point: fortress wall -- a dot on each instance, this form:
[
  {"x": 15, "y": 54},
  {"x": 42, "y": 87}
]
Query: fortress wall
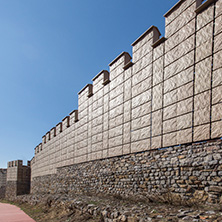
[
  {"x": 18, "y": 178},
  {"x": 169, "y": 94},
  {"x": 192, "y": 172}
]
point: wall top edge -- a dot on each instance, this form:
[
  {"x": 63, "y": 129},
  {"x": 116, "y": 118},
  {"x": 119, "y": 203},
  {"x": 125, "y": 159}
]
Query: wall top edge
[
  {"x": 53, "y": 128},
  {"x": 43, "y": 136},
  {"x": 58, "y": 124},
  {"x": 173, "y": 8},
  {"x": 84, "y": 88},
  {"x": 204, "y": 6},
  {"x": 65, "y": 118},
  {"x": 100, "y": 73},
  {"x": 119, "y": 56},
  {"x": 145, "y": 33},
  {"x": 158, "y": 42},
  {"x": 72, "y": 112}
]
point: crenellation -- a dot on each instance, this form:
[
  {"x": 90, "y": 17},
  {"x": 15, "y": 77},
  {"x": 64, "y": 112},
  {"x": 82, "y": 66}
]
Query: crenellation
[
  {"x": 43, "y": 139},
  {"x": 163, "y": 97},
  {"x": 48, "y": 136},
  {"x": 66, "y": 122}
]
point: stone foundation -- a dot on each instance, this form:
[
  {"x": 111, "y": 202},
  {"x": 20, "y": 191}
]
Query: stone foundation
[
  {"x": 191, "y": 171},
  {"x": 11, "y": 189},
  {"x": 3, "y": 173}
]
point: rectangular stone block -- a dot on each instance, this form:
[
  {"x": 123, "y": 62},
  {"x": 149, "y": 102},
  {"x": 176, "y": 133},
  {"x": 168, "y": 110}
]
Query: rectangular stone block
[
  {"x": 205, "y": 17},
  {"x": 218, "y": 25},
  {"x": 126, "y": 132},
  {"x": 116, "y": 141},
  {"x": 217, "y": 112},
  {"x": 170, "y": 139},
  {"x": 115, "y": 151},
  {"x": 184, "y": 136},
  {"x": 217, "y": 60},
  {"x": 184, "y": 106},
  {"x": 178, "y": 10},
  {"x": 217, "y": 77},
  {"x": 202, "y": 100},
  {"x": 105, "y": 139},
  {"x": 116, "y": 121},
  {"x": 105, "y": 153},
  {"x": 140, "y": 134},
  {"x": 202, "y": 116},
  {"x": 140, "y": 122},
  {"x": 180, "y": 36},
  {"x": 158, "y": 71},
  {"x": 170, "y": 125},
  {"x": 204, "y": 35},
  {"x": 140, "y": 76},
  {"x": 218, "y": 8},
  {"x": 116, "y": 101},
  {"x": 180, "y": 21},
  {"x": 126, "y": 148},
  {"x": 117, "y": 92},
  {"x": 157, "y": 123},
  {"x": 97, "y": 121},
  {"x": 141, "y": 110},
  {"x": 117, "y": 131},
  {"x": 156, "y": 142},
  {"x": 157, "y": 97},
  {"x": 117, "y": 72},
  {"x": 127, "y": 111},
  {"x": 203, "y": 75},
  {"x": 158, "y": 51},
  {"x": 170, "y": 111},
  {"x": 184, "y": 121},
  {"x": 141, "y": 99},
  {"x": 170, "y": 84},
  {"x": 128, "y": 74},
  {"x": 141, "y": 87},
  {"x": 142, "y": 51},
  {"x": 127, "y": 89},
  {"x": 184, "y": 77},
  {"x": 185, "y": 91},
  {"x": 180, "y": 50},
  {"x": 216, "y": 131},
  {"x": 116, "y": 81},
  {"x": 170, "y": 98},
  {"x": 204, "y": 50},
  {"x": 141, "y": 145},
  {"x": 97, "y": 155},
  {"x": 116, "y": 111},
  {"x": 217, "y": 95},
  {"x": 202, "y": 132},
  {"x": 143, "y": 41},
  {"x": 179, "y": 65},
  {"x": 218, "y": 42}
]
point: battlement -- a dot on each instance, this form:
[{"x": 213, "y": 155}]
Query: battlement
[
  {"x": 167, "y": 93},
  {"x": 17, "y": 163},
  {"x": 18, "y": 178}
]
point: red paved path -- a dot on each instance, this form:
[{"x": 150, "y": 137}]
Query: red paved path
[{"x": 11, "y": 213}]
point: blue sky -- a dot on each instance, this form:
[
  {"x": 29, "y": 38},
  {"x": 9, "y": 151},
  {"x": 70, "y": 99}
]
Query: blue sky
[{"x": 49, "y": 50}]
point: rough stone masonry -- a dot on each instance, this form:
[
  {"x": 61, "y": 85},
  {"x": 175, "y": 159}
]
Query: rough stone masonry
[{"x": 152, "y": 122}]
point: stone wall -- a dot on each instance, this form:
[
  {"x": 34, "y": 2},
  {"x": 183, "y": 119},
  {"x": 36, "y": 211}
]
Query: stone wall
[
  {"x": 191, "y": 171},
  {"x": 3, "y": 173},
  {"x": 169, "y": 94},
  {"x": 18, "y": 178}
]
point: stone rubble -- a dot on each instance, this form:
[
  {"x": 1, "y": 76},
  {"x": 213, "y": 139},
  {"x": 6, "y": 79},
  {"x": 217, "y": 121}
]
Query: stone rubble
[{"x": 112, "y": 209}]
